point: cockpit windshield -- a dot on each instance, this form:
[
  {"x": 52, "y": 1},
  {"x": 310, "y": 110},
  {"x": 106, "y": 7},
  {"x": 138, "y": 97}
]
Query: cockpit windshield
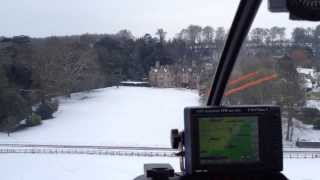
[
  {"x": 91, "y": 89},
  {"x": 278, "y": 65}
]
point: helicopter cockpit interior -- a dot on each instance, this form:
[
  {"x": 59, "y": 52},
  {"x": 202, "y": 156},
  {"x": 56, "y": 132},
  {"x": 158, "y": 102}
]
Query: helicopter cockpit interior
[{"x": 204, "y": 149}]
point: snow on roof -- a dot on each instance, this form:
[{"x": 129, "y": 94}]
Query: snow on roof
[
  {"x": 133, "y": 82},
  {"x": 307, "y": 71},
  {"x": 308, "y": 83},
  {"x": 313, "y": 104}
]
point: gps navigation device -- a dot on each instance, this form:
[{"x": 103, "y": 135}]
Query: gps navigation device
[{"x": 233, "y": 139}]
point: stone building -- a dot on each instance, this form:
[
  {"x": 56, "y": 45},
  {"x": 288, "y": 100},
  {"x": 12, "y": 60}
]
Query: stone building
[
  {"x": 167, "y": 76},
  {"x": 162, "y": 76}
]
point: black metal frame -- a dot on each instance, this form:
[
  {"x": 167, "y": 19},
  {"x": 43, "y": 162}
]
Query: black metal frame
[
  {"x": 241, "y": 25},
  {"x": 269, "y": 140}
]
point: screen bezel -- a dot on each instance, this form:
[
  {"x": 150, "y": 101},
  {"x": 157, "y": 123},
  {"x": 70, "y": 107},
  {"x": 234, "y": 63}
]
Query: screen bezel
[{"x": 265, "y": 140}]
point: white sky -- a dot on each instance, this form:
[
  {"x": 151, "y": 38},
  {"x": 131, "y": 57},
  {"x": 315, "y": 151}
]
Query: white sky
[{"x": 39, "y": 18}]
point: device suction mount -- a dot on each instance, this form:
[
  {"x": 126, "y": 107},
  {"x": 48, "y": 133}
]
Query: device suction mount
[{"x": 177, "y": 142}]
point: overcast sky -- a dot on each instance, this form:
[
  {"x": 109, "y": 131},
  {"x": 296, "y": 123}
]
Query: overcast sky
[{"x": 39, "y": 18}]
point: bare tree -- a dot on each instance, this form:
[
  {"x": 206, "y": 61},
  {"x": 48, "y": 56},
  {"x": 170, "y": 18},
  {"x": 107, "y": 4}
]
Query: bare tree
[
  {"x": 277, "y": 35},
  {"x": 59, "y": 65},
  {"x": 126, "y": 34},
  {"x": 162, "y": 35},
  {"x": 220, "y": 37},
  {"x": 208, "y": 34},
  {"x": 259, "y": 36},
  {"x": 194, "y": 34}
]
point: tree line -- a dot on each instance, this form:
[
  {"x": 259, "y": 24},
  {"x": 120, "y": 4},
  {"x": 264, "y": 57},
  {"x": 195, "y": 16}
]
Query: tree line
[{"x": 33, "y": 71}]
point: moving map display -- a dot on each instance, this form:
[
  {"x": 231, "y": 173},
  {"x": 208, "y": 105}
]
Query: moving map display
[{"x": 228, "y": 139}]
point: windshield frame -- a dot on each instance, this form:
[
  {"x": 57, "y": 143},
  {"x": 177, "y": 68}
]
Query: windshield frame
[{"x": 245, "y": 15}]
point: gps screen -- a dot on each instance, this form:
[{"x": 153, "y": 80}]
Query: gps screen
[{"x": 228, "y": 140}]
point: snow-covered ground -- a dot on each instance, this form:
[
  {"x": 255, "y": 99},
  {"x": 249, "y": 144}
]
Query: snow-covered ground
[
  {"x": 111, "y": 116},
  {"x": 313, "y": 104},
  {"x": 302, "y": 169},
  {"x": 74, "y": 167},
  {"x": 306, "y": 132},
  {"x": 90, "y": 167},
  {"x": 302, "y": 131}
]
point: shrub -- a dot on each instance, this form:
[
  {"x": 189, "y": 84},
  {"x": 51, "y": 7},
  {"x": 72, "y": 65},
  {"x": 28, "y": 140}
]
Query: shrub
[
  {"x": 316, "y": 125},
  {"x": 46, "y": 109},
  {"x": 309, "y": 115},
  {"x": 11, "y": 124},
  {"x": 13, "y": 109},
  {"x": 33, "y": 120}
]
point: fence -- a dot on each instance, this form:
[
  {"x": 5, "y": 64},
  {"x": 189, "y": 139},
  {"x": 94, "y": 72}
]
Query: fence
[{"x": 122, "y": 151}]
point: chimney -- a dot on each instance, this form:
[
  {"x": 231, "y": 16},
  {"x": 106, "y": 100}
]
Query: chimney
[
  {"x": 193, "y": 64},
  {"x": 157, "y": 64}
]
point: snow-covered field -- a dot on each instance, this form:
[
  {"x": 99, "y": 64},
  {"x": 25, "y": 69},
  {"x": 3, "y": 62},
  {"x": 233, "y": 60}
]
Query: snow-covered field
[
  {"x": 90, "y": 167},
  {"x": 302, "y": 131},
  {"x": 306, "y": 132},
  {"x": 74, "y": 167},
  {"x": 112, "y": 116}
]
